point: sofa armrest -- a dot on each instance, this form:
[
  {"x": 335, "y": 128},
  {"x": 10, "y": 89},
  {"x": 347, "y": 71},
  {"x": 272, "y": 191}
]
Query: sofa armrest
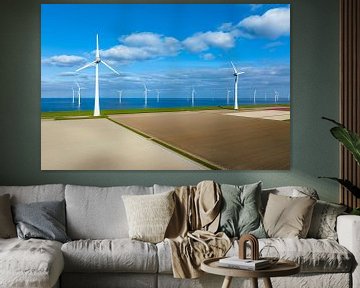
[{"x": 348, "y": 230}]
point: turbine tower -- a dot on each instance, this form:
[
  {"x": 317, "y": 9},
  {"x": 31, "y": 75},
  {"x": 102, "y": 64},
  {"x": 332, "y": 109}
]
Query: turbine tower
[
  {"x": 193, "y": 97},
  {"x": 228, "y": 96},
  {"x": 79, "y": 93},
  {"x": 276, "y": 96},
  {"x": 146, "y": 94},
  {"x": 73, "y": 99},
  {"x": 120, "y": 95},
  {"x": 158, "y": 95},
  {"x": 96, "y": 64},
  {"x": 255, "y": 96},
  {"x": 236, "y": 74}
]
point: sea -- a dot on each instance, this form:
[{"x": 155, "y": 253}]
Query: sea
[{"x": 66, "y": 104}]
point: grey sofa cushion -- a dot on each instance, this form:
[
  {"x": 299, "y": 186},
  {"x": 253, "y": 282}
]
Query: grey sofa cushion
[
  {"x": 36, "y": 193},
  {"x": 43, "y": 220},
  {"x": 30, "y": 263},
  {"x": 117, "y": 255},
  {"x": 322, "y": 256},
  {"x": 98, "y": 213},
  {"x": 108, "y": 280}
]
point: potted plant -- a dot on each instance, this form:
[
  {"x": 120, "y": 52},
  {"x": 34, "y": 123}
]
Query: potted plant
[{"x": 351, "y": 141}]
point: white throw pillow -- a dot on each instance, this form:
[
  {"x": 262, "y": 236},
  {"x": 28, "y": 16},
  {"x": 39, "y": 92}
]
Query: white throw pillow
[{"x": 149, "y": 215}]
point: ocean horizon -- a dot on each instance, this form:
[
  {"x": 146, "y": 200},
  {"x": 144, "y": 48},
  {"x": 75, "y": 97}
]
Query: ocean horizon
[{"x": 66, "y": 104}]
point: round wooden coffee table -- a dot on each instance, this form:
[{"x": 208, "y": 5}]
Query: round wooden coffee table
[{"x": 281, "y": 268}]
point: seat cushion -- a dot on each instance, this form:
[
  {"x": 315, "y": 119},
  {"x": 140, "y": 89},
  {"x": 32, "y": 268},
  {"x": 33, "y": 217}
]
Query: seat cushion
[
  {"x": 117, "y": 255},
  {"x": 98, "y": 213},
  {"x": 313, "y": 255},
  {"x": 30, "y": 263}
]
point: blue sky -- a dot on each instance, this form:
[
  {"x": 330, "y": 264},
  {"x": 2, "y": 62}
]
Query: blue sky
[{"x": 170, "y": 47}]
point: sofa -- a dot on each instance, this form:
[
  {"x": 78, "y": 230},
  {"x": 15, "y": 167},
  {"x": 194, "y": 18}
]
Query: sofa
[{"x": 100, "y": 253}]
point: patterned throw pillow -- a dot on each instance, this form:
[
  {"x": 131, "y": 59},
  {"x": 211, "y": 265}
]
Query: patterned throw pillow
[
  {"x": 149, "y": 215},
  {"x": 240, "y": 213},
  {"x": 288, "y": 217},
  {"x": 323, "y": 223}
]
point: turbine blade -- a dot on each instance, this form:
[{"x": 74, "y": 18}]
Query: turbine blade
[
  {"x": 240, "y": 73},
  {"x": 86, "y": 66},
  {"x": 77, "y": 83},
  {"x": 112, "y": 69},
  {"x": 233, "y": 67}
]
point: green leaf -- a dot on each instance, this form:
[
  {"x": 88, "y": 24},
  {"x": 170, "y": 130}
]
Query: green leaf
[
  {"x": 347, "y": 184},
  {"x": 349, "y": 139}
]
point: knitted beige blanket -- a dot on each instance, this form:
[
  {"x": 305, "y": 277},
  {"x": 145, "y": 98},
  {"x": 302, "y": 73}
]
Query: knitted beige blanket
[{"x": 191, "y": 231}]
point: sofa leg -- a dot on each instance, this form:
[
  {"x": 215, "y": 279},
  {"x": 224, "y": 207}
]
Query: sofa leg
[{"x": 254, "y": 282}]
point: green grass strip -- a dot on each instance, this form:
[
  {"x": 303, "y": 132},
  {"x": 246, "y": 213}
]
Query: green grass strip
[{"x": 60, "y": 115}]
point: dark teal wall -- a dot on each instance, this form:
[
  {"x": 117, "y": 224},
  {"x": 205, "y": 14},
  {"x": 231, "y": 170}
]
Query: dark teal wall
[{"x": 314, "y": 81}]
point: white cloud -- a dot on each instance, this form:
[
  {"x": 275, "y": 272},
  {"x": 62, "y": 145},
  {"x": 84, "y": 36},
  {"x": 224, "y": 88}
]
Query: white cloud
[
  {"x": 65, "y": 60},
  {"x": 273, "y": 45},
  {"x": 143, "y": 46},
  {"x": 254, "y": 7},
  {"x": 204, "y": 40},
  {"x": 208, "y": 56},
  {"x": 273, "y": 24}
]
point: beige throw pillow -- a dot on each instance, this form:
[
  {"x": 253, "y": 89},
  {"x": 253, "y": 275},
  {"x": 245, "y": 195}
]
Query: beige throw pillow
[
  {"x": 7, "y": 226},
  {"x": 288, "y": 217},
  {"x": 149, "y": 215}
]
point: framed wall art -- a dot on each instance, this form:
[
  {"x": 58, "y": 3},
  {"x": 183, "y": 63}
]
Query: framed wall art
[{"x": 165, "y": 86}]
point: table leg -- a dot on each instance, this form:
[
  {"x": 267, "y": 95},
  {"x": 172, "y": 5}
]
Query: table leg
[
  {"x": 267, "y": 283},
  {"x": 254, "y": 282},
  {"x": 227, "y": 282}
]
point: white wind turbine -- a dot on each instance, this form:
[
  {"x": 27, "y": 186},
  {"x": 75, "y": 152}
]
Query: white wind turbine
[
  {"x": 255, "y": 96},
  {"x": 158, "y": 95},
  {"x": 193, "y": 92},
  {"x": 276, "y": 96},
  {"x": 228, "y": 96},
  {"x": 236, "y": 74},
  {"x": 146, "y": 90},
  {"x": 120, "y": 95},
  {"x": 73, "y": 98},
  {"x": 96, "y": 64},
  {"x": 79, "y": 93}
]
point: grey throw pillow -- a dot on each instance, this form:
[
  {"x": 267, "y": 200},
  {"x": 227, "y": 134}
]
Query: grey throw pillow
[
  {"x": 7, "y": 227},
  {"x": 323, "y": 222},
  {"x": 240, "y": 213},
  {"x": 43, "y": 220}
]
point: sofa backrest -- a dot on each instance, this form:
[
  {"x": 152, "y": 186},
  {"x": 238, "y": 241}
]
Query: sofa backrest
[
  {"x": 36, "y": 193},
  {"x": 98, "y": 212}
]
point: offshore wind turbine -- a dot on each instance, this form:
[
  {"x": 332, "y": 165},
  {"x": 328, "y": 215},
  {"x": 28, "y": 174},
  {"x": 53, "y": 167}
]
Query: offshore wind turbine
[
  {"x": 255, "y": 96},
  {"x": 236, "y": 74},
  {"x": 228, "y": 96},
  {"x": 276, "y": 96},
  {"x": 193, "y": 96},
  {"x": 73, "y": 99},
  {"x": 146, "y": 90},
  {"x": 120, "y": 95},
  {"x": 79, "y": 93},
  {"x": 96, "y": 64},
  {"x": 158, "y": 95}
]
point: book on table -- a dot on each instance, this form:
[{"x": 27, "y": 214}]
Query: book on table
[{"x": 236, "y": 262}]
